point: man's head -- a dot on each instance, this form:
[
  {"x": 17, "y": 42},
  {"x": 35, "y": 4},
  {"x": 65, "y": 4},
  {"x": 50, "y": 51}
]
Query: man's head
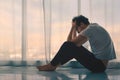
[
  {"x": 81, "y": 19},
  {"x": 81, "y": 22}
]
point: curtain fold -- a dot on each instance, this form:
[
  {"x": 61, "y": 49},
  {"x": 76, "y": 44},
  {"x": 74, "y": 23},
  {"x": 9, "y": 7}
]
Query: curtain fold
[{"x": 47, "y": 28}]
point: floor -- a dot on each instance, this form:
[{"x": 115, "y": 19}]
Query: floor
[{"x": 31, "y": 73}]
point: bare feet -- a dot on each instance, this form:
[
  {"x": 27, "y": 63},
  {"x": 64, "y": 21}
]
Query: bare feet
[{"x": 47, "y": 67}]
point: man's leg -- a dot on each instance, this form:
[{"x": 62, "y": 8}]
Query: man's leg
[
  {"x": 65, "y": 53},
  {"x": 69, "y": 51},
  {"x": 88, "y": 60},
  {"x": 60, "y": 58}
]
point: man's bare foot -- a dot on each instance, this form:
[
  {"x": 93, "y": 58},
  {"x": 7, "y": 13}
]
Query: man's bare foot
[{"x": 47, "y": 67}]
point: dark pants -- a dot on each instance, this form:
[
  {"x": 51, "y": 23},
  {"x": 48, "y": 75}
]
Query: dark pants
[{"x": 69, "y": 51}]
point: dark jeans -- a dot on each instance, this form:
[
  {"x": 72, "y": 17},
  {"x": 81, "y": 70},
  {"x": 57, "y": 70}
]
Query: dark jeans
[{"x": 69, "y": 51}]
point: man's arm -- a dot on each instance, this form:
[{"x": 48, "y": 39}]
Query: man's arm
[
  {"x": 79, "y": 40},
  {"x": 72, "y": 34},
  {"x": 72, "y": 37}
]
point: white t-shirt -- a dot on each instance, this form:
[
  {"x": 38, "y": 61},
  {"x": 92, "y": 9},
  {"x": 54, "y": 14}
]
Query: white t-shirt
[{"x": 100, "y": 42}]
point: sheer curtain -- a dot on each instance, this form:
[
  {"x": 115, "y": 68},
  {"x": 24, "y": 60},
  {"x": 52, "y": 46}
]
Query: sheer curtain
[
  {"x": 32, "y": 31},
  {"x": 10, "y": 31}
]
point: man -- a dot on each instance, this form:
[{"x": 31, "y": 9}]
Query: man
[{"x": 101, "y": 45}]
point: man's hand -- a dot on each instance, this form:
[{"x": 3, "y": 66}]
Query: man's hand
[{"x": 74, "y": 24}]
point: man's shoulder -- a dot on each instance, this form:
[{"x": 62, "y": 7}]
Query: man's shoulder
[{"x": 93, "y": 25}]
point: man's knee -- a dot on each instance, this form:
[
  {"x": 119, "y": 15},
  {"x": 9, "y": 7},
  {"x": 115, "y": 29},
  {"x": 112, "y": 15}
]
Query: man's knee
[
  {"x": 68, "y": 46},
  {"x": 68, "y": 43}
]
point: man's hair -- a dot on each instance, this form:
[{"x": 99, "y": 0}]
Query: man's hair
[{"x": 80, "y": 19}]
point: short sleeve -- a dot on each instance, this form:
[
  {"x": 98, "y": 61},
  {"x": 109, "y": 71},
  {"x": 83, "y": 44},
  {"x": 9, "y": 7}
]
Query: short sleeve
[{"x": 87, "y": 32}]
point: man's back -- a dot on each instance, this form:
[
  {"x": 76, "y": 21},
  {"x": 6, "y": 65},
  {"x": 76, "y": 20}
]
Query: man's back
[{"x": 100, "y": 41}]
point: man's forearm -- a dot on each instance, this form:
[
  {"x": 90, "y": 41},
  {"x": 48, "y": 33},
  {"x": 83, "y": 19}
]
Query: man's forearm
[{"x": 72, "y": 34}]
